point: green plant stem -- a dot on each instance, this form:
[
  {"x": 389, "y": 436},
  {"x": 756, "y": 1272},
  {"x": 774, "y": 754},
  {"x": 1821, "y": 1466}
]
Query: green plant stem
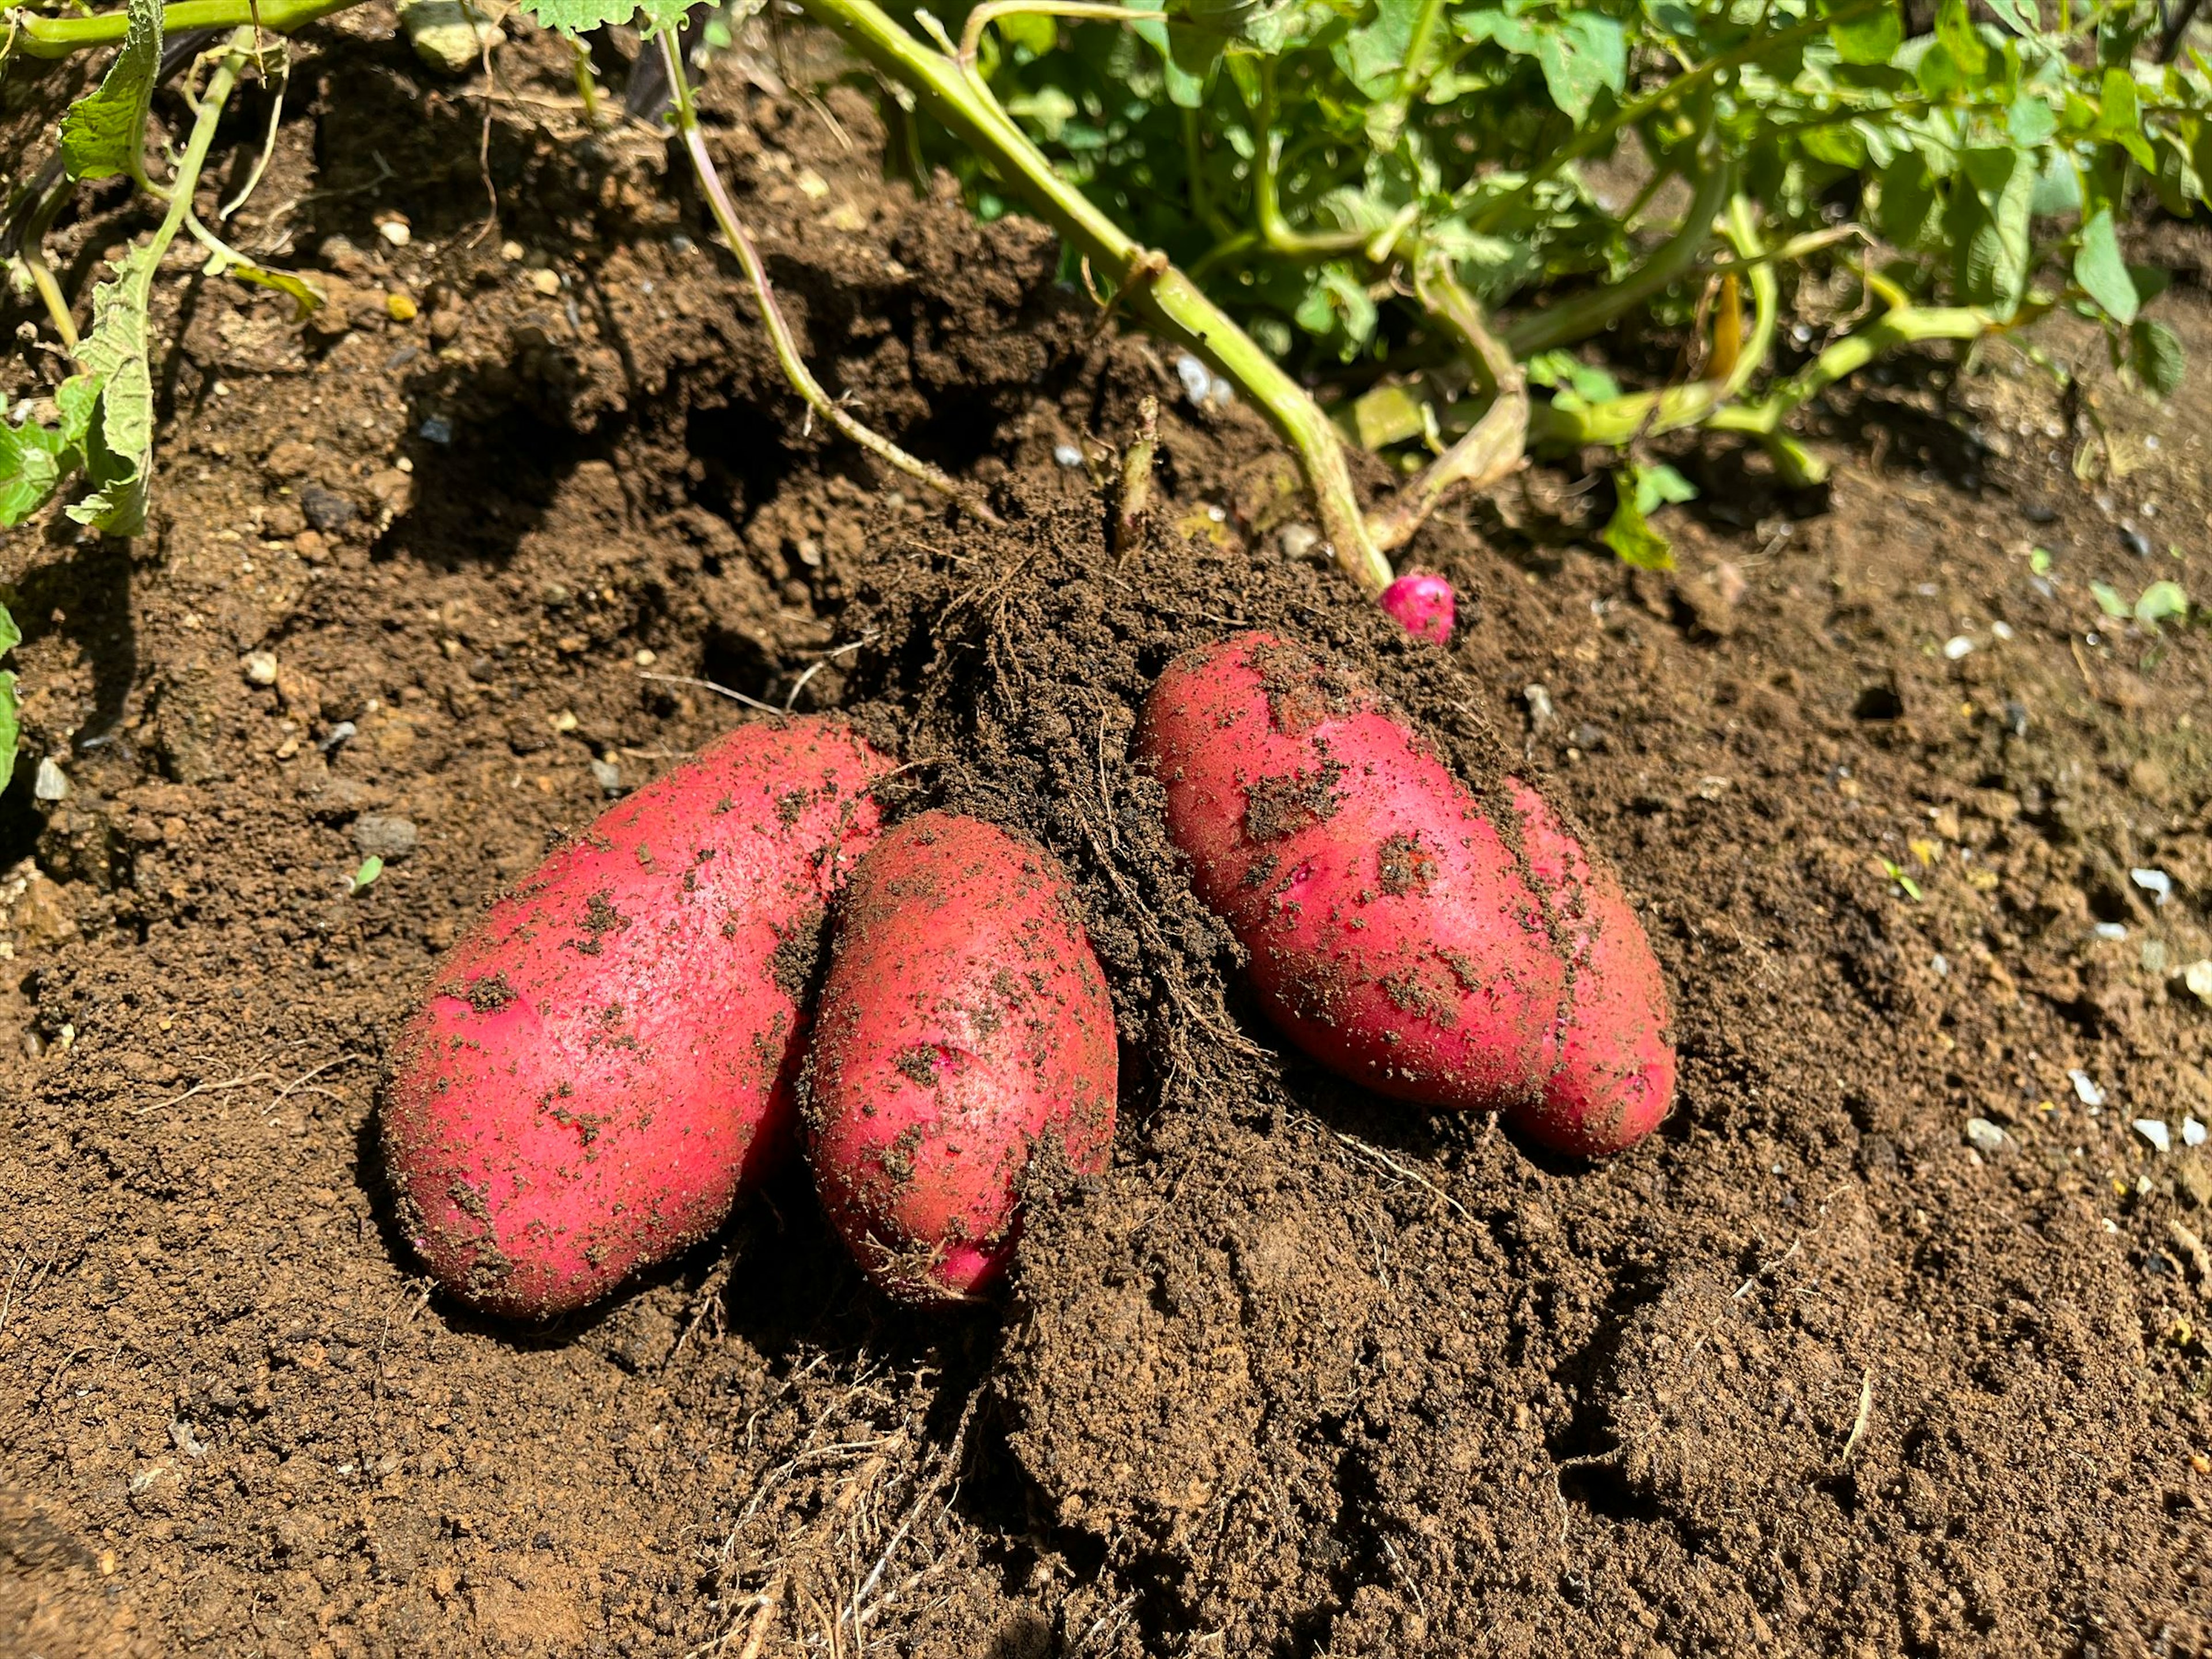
[
  {"x": 1167, "y": 300},
  {"x": 1618, "y": 422},
  {"x": 206, "y": 114},
  {"x": 33, "y": 255},
  {"x": 1275, "y": 229},
  {"x": 1491, "y": 447},
  {"x": 1906, "y": 325},
  {"x": 587, "y": 84},
  {"x": 787, "y": 355},
  {"x": 57, "y": 36},
  {"x": 1580, "y": 318},
  {"x": 971, "y": 34}
]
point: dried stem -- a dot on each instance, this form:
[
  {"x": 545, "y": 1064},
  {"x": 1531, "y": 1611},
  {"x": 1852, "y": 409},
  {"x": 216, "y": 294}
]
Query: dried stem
[{"x": 779, "y": 332}]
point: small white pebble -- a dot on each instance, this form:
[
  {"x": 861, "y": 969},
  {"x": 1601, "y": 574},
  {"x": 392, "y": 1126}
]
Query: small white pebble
[
  {"x": 645, "y": 657},
  {"x": 2111, "y": 930},
  {"x": 2003, "y": 630},
  {"x": 2197, "y": 976},
  {"x": 50, "y": 782},
  {"x": 1197, "y": 378},
  {"x": 2192, "y": 1132},
  {"x": 1942, "y": 964},
  {"x": 511, "y": 252},
  {"x": 395, "y": 231},
  {"x": 2156, "y": 882},
  {"x": 2084, "y": 1090},
  {"x": 1957, "y": 647},
  {"x": 1984, "y": 1137},
  {"x": 547, "y": 283},
  {"x": 260, "y": 667},
  {"x": 2153, "y": 1130},
  {"x": 1067, "y": 454}
]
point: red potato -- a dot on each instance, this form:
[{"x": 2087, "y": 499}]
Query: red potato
[
  {"x": 1395, "y": 934},
  {"x": 964, "y": 1047},
  {"x": 607, "y": 1060}
]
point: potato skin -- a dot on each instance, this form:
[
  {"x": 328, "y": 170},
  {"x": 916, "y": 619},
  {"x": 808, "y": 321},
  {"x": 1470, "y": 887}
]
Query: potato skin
[
  {"x": 963, "y": 1048},
  {"x": 1395, "y": 934},
  {"x": 606, "y": 1059}
]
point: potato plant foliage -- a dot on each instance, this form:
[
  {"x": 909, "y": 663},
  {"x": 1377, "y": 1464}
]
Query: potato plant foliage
[{"x": 1432, "y": 204}]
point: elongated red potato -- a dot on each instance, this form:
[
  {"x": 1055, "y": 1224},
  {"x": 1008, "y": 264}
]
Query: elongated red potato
[
  {"x": 963, "y": 1050},
  {"x": 605, "y": 1061},
  {"x": 1395, "y": 933}
]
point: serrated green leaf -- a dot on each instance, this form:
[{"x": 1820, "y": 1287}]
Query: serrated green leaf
[
  {"x": 1868, "y": 40},
  {"x": 104, "y": 132},
  {"x": 119, "y": 442},
  {"x": 2154, "y": 354},
  {"x": 1371, "y": 55},
  {"x": 2102, "y": 271},
  {"x": 1585, "y": 54},
  {"x": 1630, "y": 535},
  {"x": 579, "y": 17}
]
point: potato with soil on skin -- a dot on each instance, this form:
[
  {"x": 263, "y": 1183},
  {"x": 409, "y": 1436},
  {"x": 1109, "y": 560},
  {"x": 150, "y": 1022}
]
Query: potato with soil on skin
[
  {"x": 606, "y": 1059},
  {"x": 1396, "y": 935},
  {"x": 963, "y": 1053}
]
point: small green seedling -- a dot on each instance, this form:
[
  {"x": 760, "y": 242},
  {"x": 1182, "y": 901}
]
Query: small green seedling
[{"x": 364, "y": 878}]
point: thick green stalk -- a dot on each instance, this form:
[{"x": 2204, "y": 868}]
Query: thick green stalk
[
  {"x": 1580, "y": 318},
  {"x": 1162, "y": 295},
  {"x": 57, "y": 36}
]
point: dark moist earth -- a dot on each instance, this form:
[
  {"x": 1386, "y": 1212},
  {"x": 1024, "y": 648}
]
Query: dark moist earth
[{"x": 1807, "y": 1373}]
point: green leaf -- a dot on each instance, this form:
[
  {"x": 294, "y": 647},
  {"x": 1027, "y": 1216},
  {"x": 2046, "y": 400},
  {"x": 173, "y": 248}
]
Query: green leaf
[
  {"x": 579, "y": 17},
  {"x": 118, "y": 445},
  {"x": 1372, "y": 54},
  {"x": 2101, "y": 270},
  {"x": 34, "y": 460},
  {"x": 1048, "y": 109},
  {"x": 1564, "y": 371},
  {"x": 1868, "y": 40},
  {"x": 1514, "y": 33},
  {"x": 1630, "y": 535},
  {"x": 2118, "y": 113},
  {"x": 104, "y": 132},
  {"x": 1659, "y": 485},
  {"x": 371, "y": 868},
  {"x": 2110, "y": 602},
  {"x": 2030, "y": 121},
  {"x": 1955, "y": 33},
  {"x": 1585, "y": 54},
  {"x": 2161, "y": 602},
  {"x": 2154, "y": 354}
]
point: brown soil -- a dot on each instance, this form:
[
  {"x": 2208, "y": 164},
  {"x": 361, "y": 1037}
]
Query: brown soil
[{"x": 1305, "y": 1371}]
